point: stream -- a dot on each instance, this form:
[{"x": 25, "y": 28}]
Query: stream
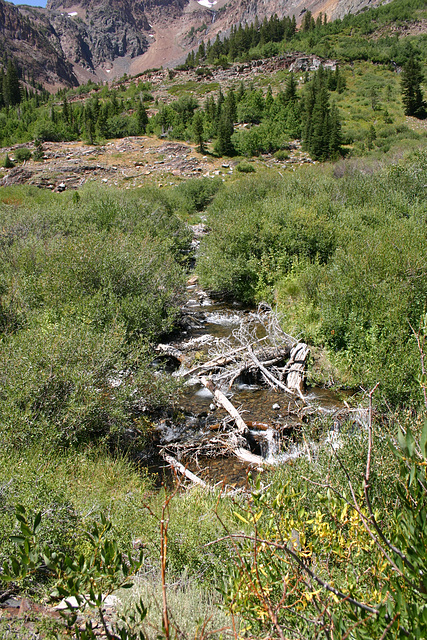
[{"x": 273, "y": 417}]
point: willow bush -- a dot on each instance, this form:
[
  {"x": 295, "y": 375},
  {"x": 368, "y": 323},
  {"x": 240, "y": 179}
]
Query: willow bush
[
  {"x": 343, "y": 257},
  {"x": 86, "y": 286}
]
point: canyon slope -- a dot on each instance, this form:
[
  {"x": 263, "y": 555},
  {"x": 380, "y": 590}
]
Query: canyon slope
[{"x": 73, "y": 41}]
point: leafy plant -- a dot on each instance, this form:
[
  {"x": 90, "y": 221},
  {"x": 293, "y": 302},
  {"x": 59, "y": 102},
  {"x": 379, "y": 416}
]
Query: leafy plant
[
  {"x": 7, "y": 162},
  {"x": 86, "y": 581},
  {"x": 337, "y": 570},
  {"x": 22, "y": 154}
]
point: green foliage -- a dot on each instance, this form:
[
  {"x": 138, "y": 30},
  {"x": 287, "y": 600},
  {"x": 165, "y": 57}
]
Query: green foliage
[
  {"x": 193, "y": 195},
  {"x": 22, "y": 154},
  {"x": 89, "y": 579},
  {"x": 313, "y": 558},
  {"x": 85, "y": 289},
  {"x": 411, "y": 89},
  {"x": 341, "y": 256},
  {"x": 245, "y": 168},
  {"x": 7, "y": 162}
]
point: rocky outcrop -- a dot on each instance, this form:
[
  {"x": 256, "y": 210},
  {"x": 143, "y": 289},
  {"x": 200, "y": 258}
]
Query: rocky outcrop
[{"x": 109, "y": 30}]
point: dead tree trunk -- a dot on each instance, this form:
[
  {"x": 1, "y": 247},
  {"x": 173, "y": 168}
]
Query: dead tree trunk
[{"x": 296, "y": 367}]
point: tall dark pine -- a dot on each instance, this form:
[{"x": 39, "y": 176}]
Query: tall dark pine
[
  {"x": 11, "y": 86},
  {"x": 322, "y": 128},
  {"x": 290, "y": 94},
  {"x": 199, "y": 130},
  {"x": 224, "y": 146},
  {"x": 412, "y": 96},
  {"x": 142, "y": 118}
]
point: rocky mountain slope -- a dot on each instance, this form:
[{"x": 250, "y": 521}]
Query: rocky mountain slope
[
  {"x": 72, "y": 41},
  {"x": 29, "y": 38}
]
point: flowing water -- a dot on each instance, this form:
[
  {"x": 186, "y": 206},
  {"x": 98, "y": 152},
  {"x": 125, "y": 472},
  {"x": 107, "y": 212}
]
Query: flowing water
[{"x": 270, "y": 414}]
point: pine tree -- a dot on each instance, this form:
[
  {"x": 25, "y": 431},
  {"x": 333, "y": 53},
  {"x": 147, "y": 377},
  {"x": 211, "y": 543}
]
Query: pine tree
[
  {"x": 322, "y": 130},
  {"x": 102, "y": 122},
  {"x": 411, "y": 89},
  {"x": 7, "y": 163},
  {"x": 199, "y": 130},
  {"x": 230, "y": 105},
  {"x": 290, "y": 94},
  {"x": 89, "y": 124},
  {"x": 269, "y": 100},
  {"x": 142, "y": 118},
  {"x": 224, "y": 146},
  {"x": 65, "y": 111},
  {"x": 12, "y": 95}
]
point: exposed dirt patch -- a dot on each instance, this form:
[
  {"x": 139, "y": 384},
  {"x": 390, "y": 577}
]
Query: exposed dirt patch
[{"x": 128, "y": 163}]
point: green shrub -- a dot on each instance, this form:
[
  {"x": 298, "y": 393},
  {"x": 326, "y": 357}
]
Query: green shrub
[
  {"x": 7, "y": 162},
  {"x": 281, "y": 154},
  {"x": 22, "y": 154},
  {"x": 245, "y": 168}
]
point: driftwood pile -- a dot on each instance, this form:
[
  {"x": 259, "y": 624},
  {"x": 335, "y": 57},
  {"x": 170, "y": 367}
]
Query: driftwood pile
[{"x": 257, "y": 350}]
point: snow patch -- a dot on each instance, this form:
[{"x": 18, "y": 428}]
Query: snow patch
[{"x": 206, "y": 3}]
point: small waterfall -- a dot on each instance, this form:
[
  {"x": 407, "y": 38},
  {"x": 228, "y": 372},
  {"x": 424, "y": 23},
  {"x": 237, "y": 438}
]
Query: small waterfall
[{"x": 272, "y": 448}]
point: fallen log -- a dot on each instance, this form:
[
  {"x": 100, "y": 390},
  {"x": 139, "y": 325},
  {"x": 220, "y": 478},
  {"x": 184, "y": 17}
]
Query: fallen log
[
  {"x": 225, "y": 403},
  {"x": 246, "y": 456},
  {"x": 221, "y": 360},
  {"x": 269, "y": 376},
  {"x": 180, "y": 467}
]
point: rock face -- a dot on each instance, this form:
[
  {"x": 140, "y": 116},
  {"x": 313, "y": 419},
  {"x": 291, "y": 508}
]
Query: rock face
[
  {"x": 72, "y": 41},
  {"x": 30, "y": 39},
  {"x": 105, "y": 31}
]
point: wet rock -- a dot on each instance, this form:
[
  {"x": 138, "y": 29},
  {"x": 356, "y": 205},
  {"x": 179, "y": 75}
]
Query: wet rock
[{"x": 13, "y": 603}]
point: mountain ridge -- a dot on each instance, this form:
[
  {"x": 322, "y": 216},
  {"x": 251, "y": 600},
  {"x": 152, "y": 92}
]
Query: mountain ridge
[{"x": 73, "y": 41}]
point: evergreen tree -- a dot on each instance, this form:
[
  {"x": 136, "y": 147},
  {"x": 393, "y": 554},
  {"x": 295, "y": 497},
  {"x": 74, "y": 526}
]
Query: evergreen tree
[
  {"x": 224, "y": 146},
  {"x": 230, "y": 105},
  {"x": 7, "y": 163},
  {"x": 89, "y": 124},
  {"x": 269, "y": 100},
  {"x": 199, "y": 130},
  {"x": 411, "y": 89},
  {"x": 65, "y": 111},
  {"x": 308, "y": 23},
  {"x": 322, "y": 130},
  {"x": 290, "y": 94},
  {"x": 102, "y": 122},
  {"x": 11, "y": 86},
  {"x": 318, "y": 144},
  {"x": 142, "y": 118}
]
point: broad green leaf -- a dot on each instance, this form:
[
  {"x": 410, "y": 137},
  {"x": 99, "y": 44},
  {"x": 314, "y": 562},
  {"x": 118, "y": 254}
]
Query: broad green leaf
[
  {"x": 37, "y": 521},
  {"x": 423, "y": 440},
  {"x": 402, "y": 440}
]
